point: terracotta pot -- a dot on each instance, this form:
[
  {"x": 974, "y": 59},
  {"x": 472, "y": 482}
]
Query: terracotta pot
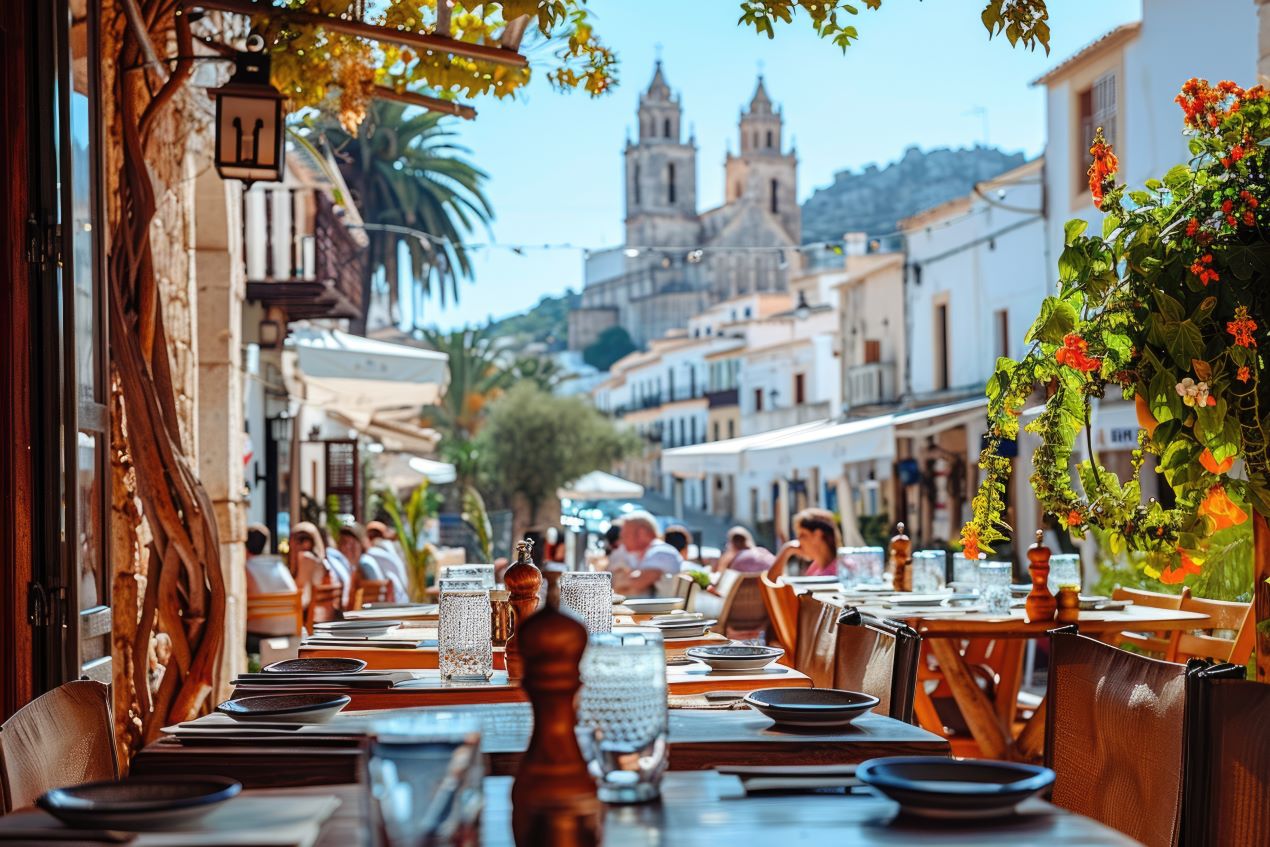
[{"x": 1146, "y": 420}]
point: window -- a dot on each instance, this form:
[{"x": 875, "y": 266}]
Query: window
[
  {"x": 716, "y": 431},
  {"x": 941, "y": 345},
  {"x": 692, "y": 430},
  {"x": 756, "y": 139},
  {"x": 670, "y": 384},
  {"x": 872, "y": 351},
  {"x": 635, "y": 184},
  {"x": 1001, "y": 323},
  {"x": 670, "y": 183},
  {"x": 758, "y": 399},
  {"x": 769, "y": 139},
  {"x": 666, "y": 128},
  {"x": 731, "y": 429},
  {"x": 749, "y": 312},
  {"x": 1096, "y": 107},
  {"x": 775, "y": 198},
  {"x": 800, "y": 389}
]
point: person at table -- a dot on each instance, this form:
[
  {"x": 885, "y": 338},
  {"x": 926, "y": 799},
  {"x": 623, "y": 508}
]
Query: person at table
[
  {"x": 353, "y": 543},
  {"x": 343, "y": 571},
  {"x": 308, "y": 562},
  {"x": 648, "y": 562},
  {"x": 679, "y": 537},
  {"x": 266, "y": 574},
  {"x": 382, "y": 549},
  {"x": 816, "y": 543},
  {"x": 743, "y": 554}
]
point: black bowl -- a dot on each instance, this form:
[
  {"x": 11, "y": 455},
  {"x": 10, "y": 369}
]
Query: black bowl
[
  {"x": 285, "y": 708},
  {"x": 331, "y": 665},
  {"x": 137, "y": 804},
  {"x": 811, "y": 707},
  {"x": 941, "y": 788}
]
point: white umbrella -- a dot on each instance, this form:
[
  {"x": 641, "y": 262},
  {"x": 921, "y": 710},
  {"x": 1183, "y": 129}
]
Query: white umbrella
[{"x": 598, "y": 485}]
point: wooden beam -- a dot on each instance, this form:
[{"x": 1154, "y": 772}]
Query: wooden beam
[
  {"x": 513, "y": 32},
  {"x": 406, "y": 38},
  {"x": 435, "y": 104}
]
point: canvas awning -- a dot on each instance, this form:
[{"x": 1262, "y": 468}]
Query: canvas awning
[
  {"x": 598, "y": 485},
  {"x": 921, "y": 423},
  {"x": 828, "y": 447},
  {"x": 403, "y": 470},
  {"x": 726, "y": 456},
  {"x": 358, "y": 377}
]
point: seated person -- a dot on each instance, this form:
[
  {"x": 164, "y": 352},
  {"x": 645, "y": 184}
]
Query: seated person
[
  {"x": 353, "y": 544},
  {"x": 266, "y": 574},
  {"x": 308, "y": 564},
  {"x": 817, "y": 544},
  {"x": 648, "y": 561},
  {"x": 384, "y": 551},
  {"x": 742, "y": 554}
]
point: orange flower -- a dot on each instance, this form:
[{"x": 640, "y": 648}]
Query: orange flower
[
  {"x": 1210, "y": 463},
  {"x": 1102, "y": 171},
  {"x": 1187, "y": 565},
  {"x": 970, "y": 541},
  {"x": 1221, "y": 509},
  {"x": 1074, "y": 518},
  {"x": 1242, "y": 327},
  {"x": 1202, "y": 268},
  {"x": 1074, "y": 354},
  {"x": 1244, "y": 373}
]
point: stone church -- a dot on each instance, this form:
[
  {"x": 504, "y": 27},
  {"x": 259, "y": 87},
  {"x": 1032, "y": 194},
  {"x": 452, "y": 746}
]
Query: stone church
[{"x": 676, "y": 260}]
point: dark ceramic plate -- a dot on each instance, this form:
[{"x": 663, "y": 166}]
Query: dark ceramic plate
[
  {"x": 811, "y": 707},
  {"x": 355, "y": 625},
  {"x": 936, "y": 787},
  {"x": 736, "y": 656},
  {"x": 307, "y": 666},
  {"x": 285, "y": 708},
  {"x": 137, "y": 804}
]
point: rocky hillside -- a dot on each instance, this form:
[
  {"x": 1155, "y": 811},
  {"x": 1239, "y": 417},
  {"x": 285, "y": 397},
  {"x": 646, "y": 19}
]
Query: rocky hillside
[
  {"x": 874, "y": 199},
  {"x": 546, "y": 323}
]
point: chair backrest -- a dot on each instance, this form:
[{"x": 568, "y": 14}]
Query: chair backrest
[
  {"x": 1114, "y": 736},
  {"x": 743, "y": 606},
  {"x": 817, "y": 640},
  {"x": 64, "y": 737},
  {"x": 323, "y": 598},
  {"x": 685, "y": 588},
  {"x": 1226, "y": 638},
  {"x": 879, "y": 657},
  {"x": 281, "y": 604},
  {"x": 782, "y": 609},
  {"x": 1156, "y": 643},
  {"x": 1227, "y": 759},
  {"x": 372, "y": 591}
]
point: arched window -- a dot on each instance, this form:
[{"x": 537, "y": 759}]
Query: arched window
[
  {"x": 775, "y": 202},
  {"x": 769, "y": 139},
  {"x": 666, "y": 128},
  {"x": 670, "y": 183},
  {"x": 636, "y": 184}
]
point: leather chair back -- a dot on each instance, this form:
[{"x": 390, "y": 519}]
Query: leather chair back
[{"x": 879, "y": 657}]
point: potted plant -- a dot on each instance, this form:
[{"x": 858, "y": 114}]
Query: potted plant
[{"x": 1167, "y": 307}]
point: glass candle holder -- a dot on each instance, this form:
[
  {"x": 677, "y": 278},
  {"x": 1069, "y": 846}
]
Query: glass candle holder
[
  {"x": 588, "y": 596},
  {"x": 966, "y": 571},
  {"x": 465, "y": 650},
  {"x": 622, "y": 714},
  {"x": 1064, "y": 570},
  {"x": 994, "y": 587},
  {"x": 484, "y": 573},
  {"x": 930, "y": 568}
]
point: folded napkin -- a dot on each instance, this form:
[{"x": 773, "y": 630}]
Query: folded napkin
[
  {"x": 793, "y": 778},
  {"x": 283, "y": 681},
  {"x": 716, "y": 701}
]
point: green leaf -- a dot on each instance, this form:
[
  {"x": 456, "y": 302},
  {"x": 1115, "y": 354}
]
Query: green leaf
[
  {"x": 1073, "y": 229},
  {"x": 1057, "y": 318},
  {"x": 1110, "y": 223},
  {"x": 1177, "y": 178},
  {"x": 1170, "y": 307},
  {"x": 1184, "y": 342}
]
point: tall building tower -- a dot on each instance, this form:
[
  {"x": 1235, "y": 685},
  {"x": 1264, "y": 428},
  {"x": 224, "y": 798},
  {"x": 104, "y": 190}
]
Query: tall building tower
[
  {"x": 661, "y": 172},
  {"x": 762, "y": 173}
]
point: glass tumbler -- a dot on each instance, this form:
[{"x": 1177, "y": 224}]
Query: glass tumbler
[
  {"x": 622, "y": 714},
  {"x": 484, "y": 573},
  {"x": 994, "y": 587},
  {"x": 464, "y": 636},
  {"x": 588, "y": 596},
  {"x": 1064, "y": 570},
  {"x": 455, "y": 584},
  {"x": 966, "y": 571},
  {"x": 929, "y": 569}
]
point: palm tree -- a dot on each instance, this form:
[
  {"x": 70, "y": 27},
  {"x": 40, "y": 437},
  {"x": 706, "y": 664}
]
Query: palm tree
[{"x": 413, "y": 187}]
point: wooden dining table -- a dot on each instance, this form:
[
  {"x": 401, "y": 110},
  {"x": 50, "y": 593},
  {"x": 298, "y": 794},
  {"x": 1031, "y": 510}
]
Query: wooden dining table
[{"x": 990, "y": 721}]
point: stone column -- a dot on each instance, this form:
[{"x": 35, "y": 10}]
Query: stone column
[{"x": 221, "y": 287}]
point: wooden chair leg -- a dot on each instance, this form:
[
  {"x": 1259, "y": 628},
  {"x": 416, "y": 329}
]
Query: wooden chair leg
[{"x": 976, "y": 708}]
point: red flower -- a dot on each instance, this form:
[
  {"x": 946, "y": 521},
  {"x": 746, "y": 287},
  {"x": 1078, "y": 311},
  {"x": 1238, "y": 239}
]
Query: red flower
[
  {"x": 1200, "y": 267},
  {"x": 1249, "y": 218},
  {"x": 1226, "y": 206},
  {"x": 1102, "y": 171},
  {"x": 1242, "y": 328},
  {"x": 1075, "y": 354},
  {"x": 1186, "y": 565},
  {"x": 970, "y": 541},
  {"x": 1074, "y": 518},
  {"x": 1244, "y": 373}
]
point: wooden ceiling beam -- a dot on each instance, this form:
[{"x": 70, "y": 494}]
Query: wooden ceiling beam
[{"x": 435, "y": 104}]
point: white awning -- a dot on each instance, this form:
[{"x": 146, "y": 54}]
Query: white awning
[
  {"x": 598, "y": 485},
  {"x": 402, "y": 470},
  {"x": 829, "y": 447},
  {"x": 725, "y": 456},
  {"x": 358, "y": 377},
  {"x": 935, "y": 419}
]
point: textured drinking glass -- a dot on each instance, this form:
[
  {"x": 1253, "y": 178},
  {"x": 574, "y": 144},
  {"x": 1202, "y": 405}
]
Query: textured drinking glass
[
  {"x": 966, "y": 571},
  {"x": 588, "y": 596},
  {"x": 484, "y": 573},
  {"x": 464, "y": 646},
  {"x": 1064, "y": 570},
  {"x": 994, "y": 587},
  {"x": 622, "y": 717},
  {"x": 861, "y": 566},
  {"x": 449, "y": 584},
  {"x": 929, "y": 569}
]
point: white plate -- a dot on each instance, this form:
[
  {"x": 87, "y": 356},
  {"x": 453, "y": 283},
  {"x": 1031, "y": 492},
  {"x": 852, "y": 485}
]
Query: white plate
[{"x": 653, "y": 605}]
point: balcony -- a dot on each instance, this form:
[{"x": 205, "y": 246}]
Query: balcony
[
  {"x": 720, "y": 399},
  {"x": 868, "y": 385},
  {"x": 770, "y": 419}
]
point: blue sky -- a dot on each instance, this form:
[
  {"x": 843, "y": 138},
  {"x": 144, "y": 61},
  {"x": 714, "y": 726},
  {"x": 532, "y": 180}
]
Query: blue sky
[{"x": 922, "y": 73}]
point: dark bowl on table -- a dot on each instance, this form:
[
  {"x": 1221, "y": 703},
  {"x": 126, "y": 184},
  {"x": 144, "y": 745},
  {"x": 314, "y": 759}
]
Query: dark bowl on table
[
  {"x": 137, "y": 804},
  {"x": 811, "y": 708},
  {"x": 951, "y": 789},
  {"x": 285, "y": 708},
  {"x": 315, "y": 665}
]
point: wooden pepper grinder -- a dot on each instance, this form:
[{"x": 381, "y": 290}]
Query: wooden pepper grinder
[
  {"x": 524, "y": 582},
  {"x": 554, "y": 795},
  {"x": 1040, "y": 604},
  {"x": 1068, "y": 604},
  {"x": 901, "y": 560}
]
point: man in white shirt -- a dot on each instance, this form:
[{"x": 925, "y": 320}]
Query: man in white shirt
[
  {"x": 266, "y": 574},
  {"x": 383, "y": 551},
  {"x": 647, "y": 563}
]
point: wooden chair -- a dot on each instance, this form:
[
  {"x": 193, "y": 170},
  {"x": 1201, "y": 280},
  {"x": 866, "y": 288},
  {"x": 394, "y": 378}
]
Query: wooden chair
[
  {"x": 1114, "y": 736},
  {"x": 1228, "y": 638},
  {"x": 879, "y": 657},
  {"x": 685, "y": 588},
  {"x": 817, "y": 640},
  {"x": 1227, "y": 794},
  {"x": 372, "y": 591},
  {"x": 282, "y": 604},
  {"x": 1158, "y": 644},
  {"x": 743, "y": 609},
  {"x": 324, "y": 604},
  {"x": 782, "y": 610},
  {"x": 64, "y": 737}
]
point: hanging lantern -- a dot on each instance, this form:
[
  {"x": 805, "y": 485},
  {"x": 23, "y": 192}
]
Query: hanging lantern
[{"x": 249, "y": 123}]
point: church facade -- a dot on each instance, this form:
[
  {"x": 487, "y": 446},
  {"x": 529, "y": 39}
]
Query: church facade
[{"x": 677, "y": 261}]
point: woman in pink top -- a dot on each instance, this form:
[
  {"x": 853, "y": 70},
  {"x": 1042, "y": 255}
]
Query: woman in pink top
[{"x": 817, "y": 544}]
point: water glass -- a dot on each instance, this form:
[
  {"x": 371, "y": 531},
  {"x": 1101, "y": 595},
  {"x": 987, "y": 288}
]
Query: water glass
[
  {"x": 1064, "y": 570},
  {"x": 929, "y": 570},
  {"x": 622, "y": 714},
  {"x": 464, "y": 636},
  {"x": 994, "y": 587},
  {"x": 588, "y": 596},
  {"x": 966, "y": 571},
  {"x": 452, "y": 584},
  {"x": 484, "y": 573},
  {"x": 861, "y": 566}
]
